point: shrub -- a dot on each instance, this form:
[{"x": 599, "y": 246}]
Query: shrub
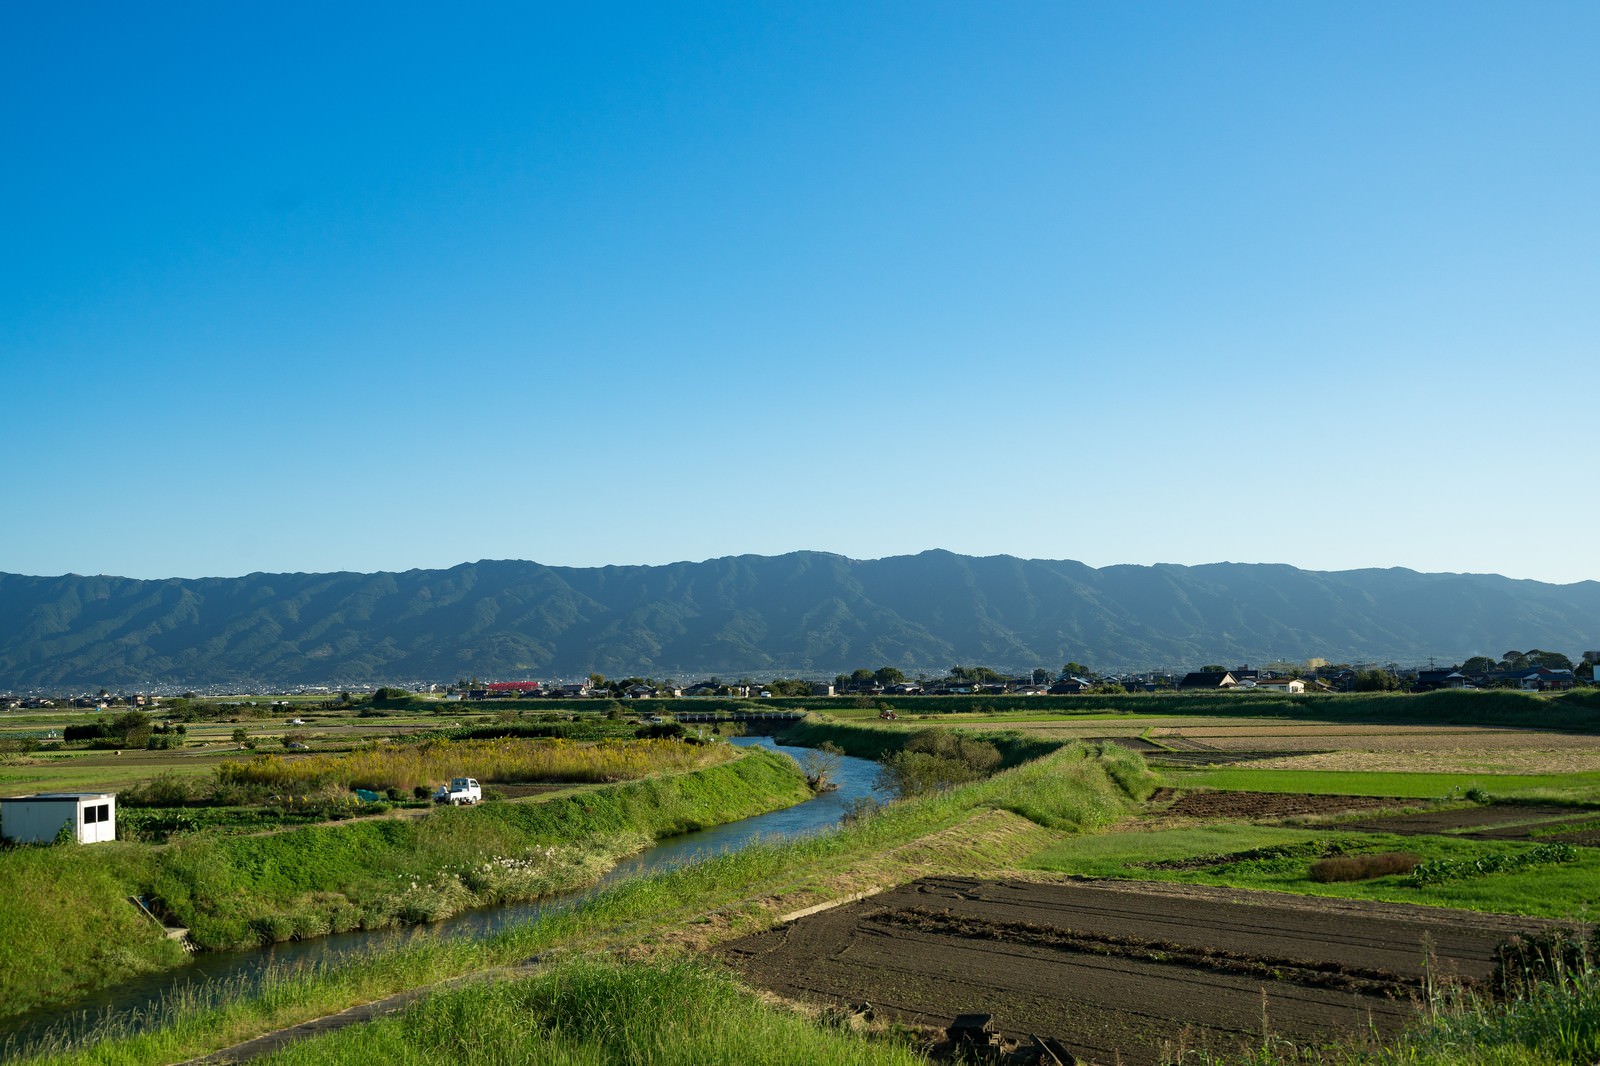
[
  {"x": 660, "y": 731},
  {"x": 1431, "y": 873},
  {"x": 914, "y": 773},
  {"x": 1363, "y": 867},
  {"x": 164, "y": 790}
]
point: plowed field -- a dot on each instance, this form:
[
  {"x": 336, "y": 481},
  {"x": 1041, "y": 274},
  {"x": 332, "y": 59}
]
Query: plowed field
[
  {"x": 1265, "y": 806},
  {"x": 1124, "y": 972},
  {"x": 1502, "y": 821}
]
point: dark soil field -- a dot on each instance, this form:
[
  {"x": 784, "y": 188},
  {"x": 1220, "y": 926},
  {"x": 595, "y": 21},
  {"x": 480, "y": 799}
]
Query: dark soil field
[
  {"x": 1124, "y": 972},
  {"x": 1501, "y": 821},
  {"x": 1258, "y": 806}
]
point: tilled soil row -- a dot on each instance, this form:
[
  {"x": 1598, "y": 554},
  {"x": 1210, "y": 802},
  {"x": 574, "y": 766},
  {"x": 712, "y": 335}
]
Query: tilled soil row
[
  {"x": 1500, "y": 821},
  {"x": 1267, "y": 804},
  {"x": 1142, "y": 971},
  {"x": 1312, "y": 974}
]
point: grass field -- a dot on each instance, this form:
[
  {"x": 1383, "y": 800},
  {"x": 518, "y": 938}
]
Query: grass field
[
  {"x": 1279, "y": 859},
  {"x": 1573, "y": 787}
]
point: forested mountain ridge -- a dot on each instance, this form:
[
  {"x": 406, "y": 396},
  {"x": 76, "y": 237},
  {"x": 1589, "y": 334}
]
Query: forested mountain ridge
[{"x": 805, "y": 613}]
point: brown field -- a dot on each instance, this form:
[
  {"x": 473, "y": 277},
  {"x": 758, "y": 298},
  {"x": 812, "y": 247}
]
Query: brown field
[
  {"x": 1502, "y": 821},
  {"x": 1125, "y": 972},
  {"x": 1262, "y": 806}
]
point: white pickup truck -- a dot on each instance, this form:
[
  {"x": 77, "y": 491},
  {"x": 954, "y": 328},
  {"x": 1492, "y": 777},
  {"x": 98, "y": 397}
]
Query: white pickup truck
[{"x": 460, "y": 791}]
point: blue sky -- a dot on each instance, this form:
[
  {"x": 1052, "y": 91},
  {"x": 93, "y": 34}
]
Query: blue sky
[{"x": 328, "y": 287}]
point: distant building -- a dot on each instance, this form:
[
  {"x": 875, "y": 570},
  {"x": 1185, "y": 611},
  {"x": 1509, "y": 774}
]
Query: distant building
[
  {"x": 1209, "y": 679},
  {"x": 1292, "y": 685},
  {"x": 513, "y": 689}
]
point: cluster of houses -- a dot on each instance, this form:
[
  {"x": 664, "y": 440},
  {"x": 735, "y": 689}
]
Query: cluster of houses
[
  {"x": 1535, "y": 679},
  {"x": 1243, "y": 678},
  {"x": 102, "y": 702}
]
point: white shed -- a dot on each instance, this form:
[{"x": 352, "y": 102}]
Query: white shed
[{"x": 38, "y": 819}]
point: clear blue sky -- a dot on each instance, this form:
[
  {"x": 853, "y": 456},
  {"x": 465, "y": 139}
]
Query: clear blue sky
[{"x": 316, "y": 287}]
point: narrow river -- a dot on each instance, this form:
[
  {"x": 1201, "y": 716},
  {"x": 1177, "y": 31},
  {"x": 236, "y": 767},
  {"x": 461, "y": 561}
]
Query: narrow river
[{"x": 128, "y": 1006}]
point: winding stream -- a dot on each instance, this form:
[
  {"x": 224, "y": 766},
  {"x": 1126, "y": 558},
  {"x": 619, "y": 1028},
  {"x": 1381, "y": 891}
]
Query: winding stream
[{"x": 127, "y": 1007}]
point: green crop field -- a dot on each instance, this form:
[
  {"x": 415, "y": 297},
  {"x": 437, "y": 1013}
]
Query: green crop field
[{"x": 1577, "y": 787}]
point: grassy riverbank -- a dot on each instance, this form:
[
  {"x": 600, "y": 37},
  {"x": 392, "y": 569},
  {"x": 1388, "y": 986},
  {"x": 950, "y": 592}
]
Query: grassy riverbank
[
  {"x": 588, "y": 1011},
  {"x": 237, "y": 890},
  {"x": 969, "y": 829}
]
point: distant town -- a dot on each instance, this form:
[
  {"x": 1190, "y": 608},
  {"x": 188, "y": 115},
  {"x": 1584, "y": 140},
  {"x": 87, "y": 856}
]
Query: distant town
[{"x": 1531, "y": 671}]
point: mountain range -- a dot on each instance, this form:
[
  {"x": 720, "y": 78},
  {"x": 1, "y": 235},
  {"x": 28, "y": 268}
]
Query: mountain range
[{"x": 808, "y": 614}]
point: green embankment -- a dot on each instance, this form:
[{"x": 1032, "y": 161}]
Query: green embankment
[
  {"x": 963, "y": 829},
  {"x": 874, "y": 740},
  {"x": 237, "y": 890},
  {"x": 588, "y": 1011},
  {"x": 66, "y": 924}
]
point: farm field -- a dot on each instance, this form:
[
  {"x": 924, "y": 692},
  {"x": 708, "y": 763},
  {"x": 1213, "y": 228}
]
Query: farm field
[
  {"x": 1129, "y": 928},
  {"x": 1130, "y": 973}
]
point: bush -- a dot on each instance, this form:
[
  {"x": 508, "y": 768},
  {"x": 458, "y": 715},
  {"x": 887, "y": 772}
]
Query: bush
[
  {"x": 914, "y": 773},
  {"x": 979, "y": 756},
  {"x": 660, "y": 731},
  {"x": 164, "y": 790},
  {"x": 1363, "y": 867},
  {"x": 1432, "y": 873}
]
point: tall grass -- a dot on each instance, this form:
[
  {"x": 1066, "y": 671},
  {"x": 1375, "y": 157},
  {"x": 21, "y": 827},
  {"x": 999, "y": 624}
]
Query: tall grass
[
  {"x": 1555, "y": 1022},
  {"x": 232, "y": 891},
  {"x": 597, "y": 1013},
  {"x": 502, "y": 759}
]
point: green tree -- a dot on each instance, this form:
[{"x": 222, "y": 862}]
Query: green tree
[
  {"x": 1550, "y": 660},
  {"x": 1375, "y": 681},
  {"x": 1075, "y": 669},
  {"x": 1478, "y": 664},
  {"x": 887, "y": 675}
]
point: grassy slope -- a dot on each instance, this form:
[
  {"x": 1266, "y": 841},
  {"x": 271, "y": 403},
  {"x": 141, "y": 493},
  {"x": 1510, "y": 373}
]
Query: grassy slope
[
  {"x": 970, "y": 829},
  {"x": 587, "y": 1011},
  {"x": 66, "y": 924},
  {"x": 231, "y": 890}
]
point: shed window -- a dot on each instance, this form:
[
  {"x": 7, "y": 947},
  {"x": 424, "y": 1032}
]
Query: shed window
[{"x": 98, "y": 813}]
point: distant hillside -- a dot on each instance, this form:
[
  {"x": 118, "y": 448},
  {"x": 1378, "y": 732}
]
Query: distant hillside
[{"x": 808, "y": 613}]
